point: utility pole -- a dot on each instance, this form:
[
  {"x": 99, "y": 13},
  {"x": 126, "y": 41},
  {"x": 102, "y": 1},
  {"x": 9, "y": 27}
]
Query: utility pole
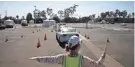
[
  {"x": 0, "y": 16},
  {"x": 34, "y": 14},
  {"x": 5, "y": 12}
]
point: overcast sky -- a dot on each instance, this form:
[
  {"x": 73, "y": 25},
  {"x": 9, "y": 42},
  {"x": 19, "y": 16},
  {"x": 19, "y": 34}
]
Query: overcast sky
[{"x": 85, "y": 8}]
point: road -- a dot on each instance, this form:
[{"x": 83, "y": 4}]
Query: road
[{"x": 17, "y": 51}]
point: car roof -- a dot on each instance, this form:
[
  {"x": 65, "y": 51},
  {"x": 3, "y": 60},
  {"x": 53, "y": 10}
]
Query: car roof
[{"x": 67, "y": 28}]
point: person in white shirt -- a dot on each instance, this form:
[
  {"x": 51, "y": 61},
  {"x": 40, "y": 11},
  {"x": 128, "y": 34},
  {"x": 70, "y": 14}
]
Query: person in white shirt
[{"x": 72, "y": 58}]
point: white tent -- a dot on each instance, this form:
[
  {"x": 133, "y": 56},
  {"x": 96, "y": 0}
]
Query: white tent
[{"x": 48, "y": 23}]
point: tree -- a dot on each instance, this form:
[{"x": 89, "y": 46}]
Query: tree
[
  {"x": 85, "y": 20},
  {"x": 61, "y": 13},
  {"x": 133, "y": 14},
  {"x": 107, "y": 14},
  {"x": 49, "y": 11},
  {"x": 93, "y": 16},
  {"x": 56, "y": 18},
  {"x": 103, "y": 15},
  {"x": 5, "y": 18},
  {"x": 29, "y": 17},
  {"x": 43, "y": 14},
  {"x": 67, "y": 19},
  {"x": 129, "y": 15},
  {"x": 70, "y": 11},
  {"x": 117, "y": 12},
  {"x": 22, "y": 18},
  {"x": 17, "y": 16},
  {"x": 124, "y": 13}
]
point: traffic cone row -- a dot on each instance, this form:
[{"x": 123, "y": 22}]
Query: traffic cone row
[
  {"x": 87, "y": 37},
  {"x": 38, "y": 43}
]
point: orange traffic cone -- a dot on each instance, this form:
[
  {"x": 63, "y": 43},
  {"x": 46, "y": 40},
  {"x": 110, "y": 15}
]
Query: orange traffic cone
[
  {"x": 108, "y": 40},
  {"x": 45, "y": 38},
  {"x": 6, "y": 39},
  {"x": 88, "y": 37},
  {"x": 21, "y": 36},
  {"x": 38, "y": 43},
  {"x": 85, "y": 35}
]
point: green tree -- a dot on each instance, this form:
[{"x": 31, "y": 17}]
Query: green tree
[
  {"x": 43, "y": 14},
  {"x": 133, "y": 14},
  {"x": 56, "y": 18},
  {"x": 124, "y": 13},
  {"x": 85, "y": 20},
  {"x": 70, "y": 11},
  {"x": 61, "y": 13},
  {"x": 17, "y": 16},
  {"x": 29, "y": 17},
  {"x": 103, "y": 15},
  {"x": 117, "y": 12}
]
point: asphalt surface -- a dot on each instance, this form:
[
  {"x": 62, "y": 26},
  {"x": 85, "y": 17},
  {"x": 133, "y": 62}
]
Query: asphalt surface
[
  {"x": 121, "y": 46},
  {"x": 17, "y": 50}
]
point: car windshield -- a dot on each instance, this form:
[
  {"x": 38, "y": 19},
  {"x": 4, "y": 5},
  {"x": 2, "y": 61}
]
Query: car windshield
[{"x": 69, "y": 30}]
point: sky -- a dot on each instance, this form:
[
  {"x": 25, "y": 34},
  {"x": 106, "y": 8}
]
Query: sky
[{"x": 85, "y": 8}]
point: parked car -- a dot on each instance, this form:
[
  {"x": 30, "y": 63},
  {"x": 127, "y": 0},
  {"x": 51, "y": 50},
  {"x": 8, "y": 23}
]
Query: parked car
[
  {"x": 9, "y": 23},
  {"x": 2, "y": 26},
  {"x": 123, "y": 24},
  {"x": 63, "y": 35},
  {"x": 24, "y": 23}
]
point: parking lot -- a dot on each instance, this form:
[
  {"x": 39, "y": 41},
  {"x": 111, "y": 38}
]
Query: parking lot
[{"x": 17, "y": 51}]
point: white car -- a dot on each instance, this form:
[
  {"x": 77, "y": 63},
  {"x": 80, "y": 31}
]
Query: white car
[
  {"x": 123, "y": 24},
  {"x": 24, "y": 23},
  {"x": 9, "y": 23},
  {"x": 63, "y": 35}
]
